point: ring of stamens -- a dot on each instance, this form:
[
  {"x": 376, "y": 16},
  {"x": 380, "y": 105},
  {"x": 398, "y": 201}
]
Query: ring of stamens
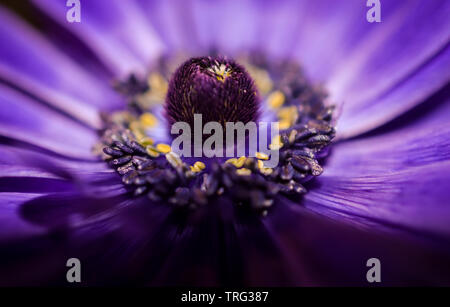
[{"x": 154, "y": 170}]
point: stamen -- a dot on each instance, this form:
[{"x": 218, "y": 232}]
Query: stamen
[
  {"x": 262, "y": 78},
  {"x": 276, "y": 99},
  {"x": 261, "y": 156},
  {"x": 287, "y": 116},
  {"x": 163, "y": 148},
  {"x": 148, "y": 120},
  {"x": 276, "y": 143},
  {"x": 198, "y": 167},
  {"x": 244, "y": 172}
]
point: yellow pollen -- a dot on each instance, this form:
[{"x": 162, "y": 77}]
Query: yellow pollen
[
  {"x": 220, "y": 71},
  {"x": 284, "y": 124},
  {"x": 276, "y": 99},
  {"x": 156, "y": 94},
  {"x": 174, "y": 159},
  {"x": 157, "y": 83},
  {"x": 276, "y": 142},
  {"x": 152, "y": 152},
  {"x": 238, "y": 163},
  {"x": 262, "y": 79},
  {"x": 261, "y": 156},
  {"x": 266, "y": 171},
  {"x": 292, "y": 136},
  {"x": 145, "y": 141},
  {"x": 148, "y": 120},
  {"x": 231, "y": 161},
  {"x": 198, "y": 167},
  {"x": 260, "y": 164},
  {"x": 244, "y": 172},
  {"x": 136, "y": 129},
  {"x": 288, "y": 116},
  {"x": 163, "y": 148}
]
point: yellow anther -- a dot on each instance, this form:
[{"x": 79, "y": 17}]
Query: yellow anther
[
  {"x": 288, "y": 116},
  {"x": 152, "y": 152},
  {"x": 198, "y": 166},
  {"x": 145, "y": 141},
  {"x": 157, "y": 83},
  {"x": 276, "y": 143},
  {"x": 292, "y": 136},
  {"x": 276, "y": 99},
  {"x": 174, "y": 159},
  {"x": 261, "y": 77},
  {"x": 244, "y": 172},
  {"x": 158, "y": 90},
  {"x": 287, "y": 112},
  {"x": 237, "y": 162},
  {"x": 284, "y": 124},
  {"x": 274, "y": 147},
  {"x": 163, "y": 148},
  {"x": 260, "y": 164},
  {"x": 148, "y": 120},
  {"x": 261, "y": 156},
  {"x": 266, "y": 171},
  {"x": 240, "y": 162},
  {"x": 136, "y": 129}
]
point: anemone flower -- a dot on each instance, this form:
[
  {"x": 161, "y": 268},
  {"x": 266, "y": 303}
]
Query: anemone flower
[{"x": 88, "y": 172}]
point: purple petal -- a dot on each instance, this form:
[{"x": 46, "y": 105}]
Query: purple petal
[
  {"x": 433, "y": 112},
  {"x": 399, "y": 180},
  {"x": 401, "y": 44},
  {"x": 173, "y": 20},
  {"x": 116, "y": 30},
  {"x": 32, "y": 160},
  {"x": 89, "y": 178},
  {"x": 329, "y": 31},
  {"x": 31, "y": 63},
  {"x": 13, "y": 226},
  {"x": 394, "y": 68},
  {"x": 319, "y": 251},
  {"x": 247, "y": 25},
  {"x": 432, "y": 77},
  {"x": 214, "y": 246},
  {"x": 26, "y": 120}
]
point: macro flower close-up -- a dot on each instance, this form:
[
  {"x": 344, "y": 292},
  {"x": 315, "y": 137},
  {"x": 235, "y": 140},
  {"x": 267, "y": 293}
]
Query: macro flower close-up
[{"x": 347, "y": 104}]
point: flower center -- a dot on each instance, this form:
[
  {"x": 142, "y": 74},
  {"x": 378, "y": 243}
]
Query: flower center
[
  {"x": 218, "y": 88},
  {"x": 221, "y": 91}
]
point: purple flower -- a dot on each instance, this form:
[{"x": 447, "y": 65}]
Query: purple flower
[{"x": 74, "y": 93}]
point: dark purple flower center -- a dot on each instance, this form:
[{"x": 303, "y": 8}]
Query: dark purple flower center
[{"x": 216, "y": 87}]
